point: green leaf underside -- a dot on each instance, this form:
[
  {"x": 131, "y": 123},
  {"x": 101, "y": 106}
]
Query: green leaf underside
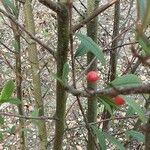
[
  {"x": 88, "y": 45},
  {"x": 108, "y": 103},
  {"x": 135, "y": 135},
  {"x": 7, "y": 90},
  {"x": 107, "y": 106},
  {"x": 101, "y": 138},
  {"x": 136, "y": 108},
  {"x": 129, "y": 80},
  {"x": 146, "y": 19},
  {"x": 9, "y": 4},
  {"x": 81, "y": 50},
  {"x": 108, "y": 100},
  {"x": 142, "y": 8}
]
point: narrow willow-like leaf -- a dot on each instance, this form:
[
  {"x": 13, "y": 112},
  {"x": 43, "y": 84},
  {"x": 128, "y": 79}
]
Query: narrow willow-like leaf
[
  {"x": 114, "y": 141},
  {"x": 14, "y": 101},
  {"x": 141, "y": 8},
  {"x": 146, "y": 19},
  {"x": 129, "y": 80},
  {"x": 81, "y": 50},
  {"x": 9, "y": 4},
  {"x": 88, "y": 45},
  {"x": 108, "y": 100},
  {"x": 136, "y": 108},
  {"x": 135, "y": 135},
  {"x": 108, "y": 103},
  {"x": 145, "y": 43},
  {"x": 100, "y": 136},
  {"x": 7, "y": 90}
]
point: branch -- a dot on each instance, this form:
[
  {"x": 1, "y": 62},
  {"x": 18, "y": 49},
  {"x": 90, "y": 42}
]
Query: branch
[
  {"x": 52, "y": 52},
  {"x": 142, "y": 89},
  {"x": 56, "y": 7},
  {"x": 93, "y": 15},
  {"x": 27, "y": 117},
  {"x": 114, "y": 118},
  {"x": 7, "y": 47}
]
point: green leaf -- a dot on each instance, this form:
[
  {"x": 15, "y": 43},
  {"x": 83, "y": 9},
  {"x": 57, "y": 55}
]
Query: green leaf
[
  {"x": 107, "y": 107},
  {"x": 114, "y": 141},
  {"x": 100, "y": 136},
  {"x": 108, "y": 100},
  {"x": 136, "y": 108},
  {"x": 88, "y": 45},
  {"x": 14, "y": 101},
  {"x": 145, "y": 43},
  {"x": 108, "y": 103},
  {"x": 81, "y": 50},
  {"x": 129, "y": 80},
  {"x": 7, "y": 90},
  {"x": 141, "y": 8},
  {"x": 9, "y": 4},
  {"x": 130, "y": 112},
  {"x": 65, "y": 73},
  {"x": 146, "y": 20},
  {"x": 135, "y": 135},
  {"x": 144, "y": 13}
]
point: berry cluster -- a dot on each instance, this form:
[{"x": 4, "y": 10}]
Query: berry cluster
[{"x": 93, "y": 77}]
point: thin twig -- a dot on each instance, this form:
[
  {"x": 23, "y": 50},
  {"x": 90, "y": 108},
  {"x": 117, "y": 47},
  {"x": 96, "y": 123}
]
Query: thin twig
[
  {"x": 114, "y": 118},
  {"x": 11, "y": 17},
  {"x": 93, "y": 15},
  {"x": 141, "y": 89},
  {"x": 28, "y": 117}
]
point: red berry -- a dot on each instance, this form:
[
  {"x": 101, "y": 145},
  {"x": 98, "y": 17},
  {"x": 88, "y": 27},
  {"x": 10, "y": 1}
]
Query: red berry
[
  {"x": 119, "y": 101},
  {"x": 92, "y": 76}
]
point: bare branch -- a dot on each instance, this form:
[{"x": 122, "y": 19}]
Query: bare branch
[
  {"x": 27, "y": 117},
  {"x": 56, "y": 7},
  {"x": 11, "y": 17},
  {"x": 93, "y": 15},
  {"x": 7, "y": 47},
  {"x": 142, "y": 89},
  {"x": 115, "y": 118}
]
